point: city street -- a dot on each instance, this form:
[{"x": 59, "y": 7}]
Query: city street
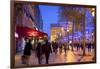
[
  {"x": 67, "y": 31},
  {"x": 57, "y": 58}
]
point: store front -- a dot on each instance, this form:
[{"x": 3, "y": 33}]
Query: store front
[{"x": 25, "y": 32}]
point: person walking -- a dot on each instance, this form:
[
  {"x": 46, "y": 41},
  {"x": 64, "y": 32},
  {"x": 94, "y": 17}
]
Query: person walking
[
  {"x": 47, "y": 49},
  {"x": 27, "y": 51},
  {"x": 53, "y": 46},
  {"x": 65, "y": 47},
  {"x": 60, "y": 48},
  {"x": 89, "y": 47},
  {"x": 39, "y": 52},
  {"x": 56, "y": 47}
]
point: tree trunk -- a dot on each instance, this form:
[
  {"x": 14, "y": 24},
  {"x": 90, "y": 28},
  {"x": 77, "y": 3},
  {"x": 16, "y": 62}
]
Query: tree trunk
[
  {"x": 73, "y": 34},
  {"x": 84, "y": 34}
]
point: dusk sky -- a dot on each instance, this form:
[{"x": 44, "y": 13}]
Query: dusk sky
[{"x": 49, "y": 16}]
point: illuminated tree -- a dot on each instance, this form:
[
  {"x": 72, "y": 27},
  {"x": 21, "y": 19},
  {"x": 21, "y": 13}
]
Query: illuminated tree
[{"x": 77, "y": 16}]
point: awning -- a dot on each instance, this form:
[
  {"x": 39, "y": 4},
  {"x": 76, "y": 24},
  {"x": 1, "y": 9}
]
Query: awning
[{"x": 26, "y": 32}]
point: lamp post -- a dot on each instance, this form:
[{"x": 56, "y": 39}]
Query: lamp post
[
  {"x": 93, "y": 12},
  {"x": 94, "y": 33},
  {"x": 68, "y": 37},
  {"x": 92, "y": 38},
  {"x": 84, "y": 23}
]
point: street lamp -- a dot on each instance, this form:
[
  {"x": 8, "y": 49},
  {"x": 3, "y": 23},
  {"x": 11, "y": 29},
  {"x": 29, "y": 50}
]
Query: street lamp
[
  {"x": 92, "y": 37},
  {"x": 68, "y": 34},
  {"x": 67, "y": 30},
  {"x": 92, "y": 34},
  {"x": 93, "y": 12},
  {"x": 70, "y": 42},
  {"x": 68, "y": 37}
]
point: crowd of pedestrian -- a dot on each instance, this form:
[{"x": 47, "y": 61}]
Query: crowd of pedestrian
[
  {"x": 42, "y": 48},
  {"x": 45, "y": 47}
]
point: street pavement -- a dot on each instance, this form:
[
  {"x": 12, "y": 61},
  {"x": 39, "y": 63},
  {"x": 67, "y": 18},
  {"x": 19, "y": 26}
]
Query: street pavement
[{"x": 69, "y": 57}]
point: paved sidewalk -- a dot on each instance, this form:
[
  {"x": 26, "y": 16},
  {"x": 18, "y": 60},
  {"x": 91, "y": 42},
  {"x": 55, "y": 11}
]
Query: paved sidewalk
[{"x": 70, "y": 56}]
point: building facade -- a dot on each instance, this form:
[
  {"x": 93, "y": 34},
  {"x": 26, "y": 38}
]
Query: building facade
[
  {"x": 29, "y": 16},
  {"x": 56, "y": 32}
]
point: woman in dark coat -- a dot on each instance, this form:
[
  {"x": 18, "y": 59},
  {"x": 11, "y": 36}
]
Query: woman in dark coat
[
  {"x": 39, "y": 52},
  {"x": 27, "y": 51}
]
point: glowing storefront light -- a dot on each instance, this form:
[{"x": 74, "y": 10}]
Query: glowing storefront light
[{"x": 16, "y": 35}]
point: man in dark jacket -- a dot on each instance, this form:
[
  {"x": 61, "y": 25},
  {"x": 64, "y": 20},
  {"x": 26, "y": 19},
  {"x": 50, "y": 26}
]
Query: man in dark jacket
[
  {"x": 47, "y": 50},
  {"x": 27, "y": 51}
]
